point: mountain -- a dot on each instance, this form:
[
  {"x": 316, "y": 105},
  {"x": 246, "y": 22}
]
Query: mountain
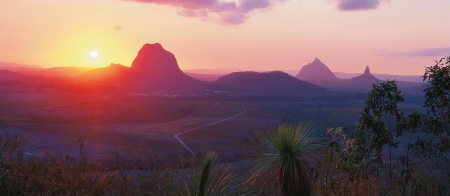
[
  {"x": 59, "y": 71},
  {"x": 154, "y": 61},
  {"x": 365, "y": 78},
  {"x": 275, "y": 83},
  {"x": 156, "y": 67},
  {"x": 113, "y": 74},
  {"x": 34, "y": 70},
  {"x": 361, "y": 83},
  {"x": 8, "y": 66},
  {"x": 405, "y": 78},
  {"x": 8, "y": 78},
  {"x": 16, "y": 81},
  {"x": 316, "y": 71}
]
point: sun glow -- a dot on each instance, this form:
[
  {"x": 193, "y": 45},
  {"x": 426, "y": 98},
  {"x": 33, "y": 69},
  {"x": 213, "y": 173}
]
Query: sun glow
[{"x": 93, "y": 54}]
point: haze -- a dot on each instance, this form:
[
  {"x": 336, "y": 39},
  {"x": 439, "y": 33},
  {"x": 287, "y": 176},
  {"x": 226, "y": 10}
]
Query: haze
[{"x": 394, "y": 37}]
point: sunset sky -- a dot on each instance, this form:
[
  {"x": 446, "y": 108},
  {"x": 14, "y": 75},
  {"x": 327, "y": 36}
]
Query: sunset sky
[{"x": 389, "y": 36}]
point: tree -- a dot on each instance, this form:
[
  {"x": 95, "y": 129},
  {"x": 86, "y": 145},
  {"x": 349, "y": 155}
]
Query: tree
[
  {"x": 289, "y": 153},
  {"x": 437, "y": 103},
  {"x": 381, "y": 108}
]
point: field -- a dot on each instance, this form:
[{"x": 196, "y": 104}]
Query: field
[
  {"x": 50, "y": 121},
  {"x": 132, "y": 134},
  {"x": 111, "y": 122}
]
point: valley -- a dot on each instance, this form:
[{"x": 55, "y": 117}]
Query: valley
[{"x": 152, "y": 118}]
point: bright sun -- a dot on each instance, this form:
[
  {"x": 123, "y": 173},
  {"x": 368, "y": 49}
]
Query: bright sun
[{"x": 93, "y": 54}]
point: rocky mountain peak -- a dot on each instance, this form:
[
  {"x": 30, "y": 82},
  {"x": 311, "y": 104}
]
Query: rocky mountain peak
[
  {"x": 316, "y": 61},
  {"x": 316, "y": 71},
  {"x": 367, "y": 71},
  {"x": 155, "y": 61}
]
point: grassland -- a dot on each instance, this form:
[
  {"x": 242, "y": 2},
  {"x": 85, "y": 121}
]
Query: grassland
[
  {"x": 128, "y": 124},
  {"x": 51, "y": 119}
]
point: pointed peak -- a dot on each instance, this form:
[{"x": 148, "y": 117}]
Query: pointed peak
[
  {"x": 367, "y": 71},
  {"x": 316, "y": 60}
]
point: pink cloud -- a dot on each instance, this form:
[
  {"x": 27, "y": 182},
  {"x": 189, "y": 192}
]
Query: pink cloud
[
  {"x": 226, "y": 12},
  {"x": 355, "y": 5},
  {"x": 117, "y": 28},
  {"x": 425, "y": 52}
]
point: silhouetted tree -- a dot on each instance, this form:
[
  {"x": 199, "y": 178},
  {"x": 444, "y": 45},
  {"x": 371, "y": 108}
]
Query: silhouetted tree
[{"x": 437, "y": 104}]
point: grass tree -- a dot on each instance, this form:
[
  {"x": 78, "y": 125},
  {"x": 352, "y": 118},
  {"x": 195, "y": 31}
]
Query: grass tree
[
  {"x": 289, "y": 153},
  {"x": 208, "y": 181}
]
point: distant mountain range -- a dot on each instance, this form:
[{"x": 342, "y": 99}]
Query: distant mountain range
[
  {"x": 39, "y": 71},
  {"x": 155, "y": 68},
  {"x": 318, "y": 73},
  {"x": 12, "y": 78},
  {"x": 383, "y": 77}
]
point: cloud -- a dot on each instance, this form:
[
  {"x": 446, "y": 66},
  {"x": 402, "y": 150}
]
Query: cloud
[
  {"x": 117, "y": 28},
  {"x": 225, "y": 12},
  {"x": 250, "y": 5},
  {"x": 355, "y": 5},
  {"x": 427, "y": 52}
]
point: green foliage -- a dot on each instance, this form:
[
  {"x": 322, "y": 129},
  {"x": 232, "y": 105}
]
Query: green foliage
[
  {"x": 206, "y": 169},
  {"x": 339, "y": 173},
  {"x": 289, "y": 154},
  {"x": 218, "y": 182},
  {"x": 63, "y": 175},
  {"x": 381, "y": 107},
  {"x": 437, "y": 102}
]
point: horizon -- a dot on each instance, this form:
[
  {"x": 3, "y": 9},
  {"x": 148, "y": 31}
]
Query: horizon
[
  {"x": 226, "y": 97},
  {"x": 220, "y": 71},
  {"x": 396, "y": 38}
]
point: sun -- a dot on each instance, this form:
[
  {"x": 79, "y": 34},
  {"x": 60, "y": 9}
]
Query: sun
[{"x": 93, "y": 54}]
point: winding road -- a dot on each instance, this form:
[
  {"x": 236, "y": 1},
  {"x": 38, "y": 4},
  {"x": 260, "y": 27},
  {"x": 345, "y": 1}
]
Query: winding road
[
  {"x": 177, "y": 136},
  {"x": 53, "y": 106}
]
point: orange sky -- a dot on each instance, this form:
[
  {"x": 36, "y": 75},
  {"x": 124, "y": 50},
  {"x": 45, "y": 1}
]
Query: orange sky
[{"x": 395, "y": 37}]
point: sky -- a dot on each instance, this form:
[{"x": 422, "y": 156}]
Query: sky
[{"x": 390, "y": 36}]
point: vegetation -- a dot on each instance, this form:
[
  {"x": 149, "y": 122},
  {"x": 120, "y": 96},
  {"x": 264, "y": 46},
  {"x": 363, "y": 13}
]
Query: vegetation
[
  {"x": 287, "y": 160},
  {"x": 360, "y": 157},
  {"x": 437, "y": 103},
  {"x": 390, "y": 152},
  {"x": 210, "y": 181}
]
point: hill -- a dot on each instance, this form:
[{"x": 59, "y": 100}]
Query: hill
[
  {"x": 316, "y": 71},
  {"x": 113, "y": 74},
  {"x": 34, "y": 70},
  {"x": 59, "y": 71},
  {"x": 383, "y": 77},
  {"x": 12, "y": 66},
  {"x": 11, "y": 78},
  {"x": 319, "y": 74},
  {"x": 268, "y": 83},
  {"x": 205, "y": 77}
]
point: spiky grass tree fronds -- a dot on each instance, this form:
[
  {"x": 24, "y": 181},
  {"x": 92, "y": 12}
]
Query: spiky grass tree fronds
[
  {"x": 206, "y": 169},
  {"x": 211, "y": 181},
  {"x": 289, "y": 154}
]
